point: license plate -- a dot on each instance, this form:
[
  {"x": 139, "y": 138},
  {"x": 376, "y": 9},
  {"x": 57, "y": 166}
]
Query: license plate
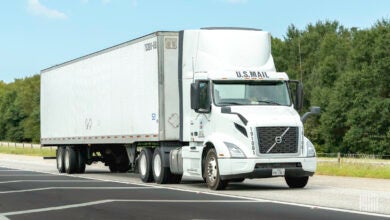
[{"x": 278, "y": 172}]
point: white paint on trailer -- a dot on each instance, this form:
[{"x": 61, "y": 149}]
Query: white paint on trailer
[{"x": 111, "y": 93}]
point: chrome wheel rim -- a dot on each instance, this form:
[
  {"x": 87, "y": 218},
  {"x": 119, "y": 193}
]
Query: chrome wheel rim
[
  {"x": 142, "y": 164},
  {"x": 67, "y": 160},
  {"x": 157, "y": 165},
  {"x": 59, "y": 159},
  {"x": 212, "y": 170}
]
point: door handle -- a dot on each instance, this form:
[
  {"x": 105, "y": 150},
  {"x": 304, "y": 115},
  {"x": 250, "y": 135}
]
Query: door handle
[{"x": 192, "y": 148}]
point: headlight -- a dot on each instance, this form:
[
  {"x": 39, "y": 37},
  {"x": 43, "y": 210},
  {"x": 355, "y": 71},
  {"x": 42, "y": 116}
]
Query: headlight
[
  {"x": 311, "y": 151},
  {"x": 235, "y": 151}
]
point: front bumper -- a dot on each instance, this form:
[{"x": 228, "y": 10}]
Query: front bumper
[{"x": 262, "y": 168}]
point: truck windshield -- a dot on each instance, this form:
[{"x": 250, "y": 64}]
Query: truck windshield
[{"x": 251, "y": 93}]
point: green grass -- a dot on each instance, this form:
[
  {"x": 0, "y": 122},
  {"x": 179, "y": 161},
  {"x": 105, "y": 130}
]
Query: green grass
[
  {"x": 43, "y": 152},
  {"x": 354, "y": 169}
]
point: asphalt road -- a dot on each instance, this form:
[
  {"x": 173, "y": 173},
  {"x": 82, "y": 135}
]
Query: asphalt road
[{"x": 28, "y": 194}]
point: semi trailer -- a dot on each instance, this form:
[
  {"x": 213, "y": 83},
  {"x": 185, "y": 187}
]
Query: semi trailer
[{"x": 206, "y": 104}]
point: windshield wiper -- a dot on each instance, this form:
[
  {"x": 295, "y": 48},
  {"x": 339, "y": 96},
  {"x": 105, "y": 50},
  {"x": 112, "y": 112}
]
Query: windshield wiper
[{"x": 269, "y": 102}]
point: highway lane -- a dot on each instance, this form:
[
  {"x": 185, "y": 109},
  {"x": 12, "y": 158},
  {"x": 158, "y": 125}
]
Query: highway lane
[{"x": 100, "y": 195}]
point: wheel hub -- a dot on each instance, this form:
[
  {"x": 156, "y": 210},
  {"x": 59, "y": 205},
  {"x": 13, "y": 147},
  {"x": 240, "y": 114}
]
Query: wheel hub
[
  {"x": 142, "y": 163},
  {"x": 212, "y": 170},
  {"x": 157, "y": 165}
]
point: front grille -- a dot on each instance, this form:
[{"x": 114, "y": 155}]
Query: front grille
[{"x": 277, "y": 140}]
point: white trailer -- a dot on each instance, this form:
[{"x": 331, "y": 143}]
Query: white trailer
[{"x": 205, "y": 103}]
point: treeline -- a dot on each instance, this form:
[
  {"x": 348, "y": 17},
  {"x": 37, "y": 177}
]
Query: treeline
[
  {"x": 345, "y": 71},
  {"x": 20, "y": 110}
]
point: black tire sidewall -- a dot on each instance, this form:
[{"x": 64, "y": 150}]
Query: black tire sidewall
[
  {"x": 148, "y": 177},
  {"x": 60, "y": 153},
  {"x": 71, "y": 153}
]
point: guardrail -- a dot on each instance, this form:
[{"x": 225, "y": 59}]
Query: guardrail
[{"x": 19, "y": 145}]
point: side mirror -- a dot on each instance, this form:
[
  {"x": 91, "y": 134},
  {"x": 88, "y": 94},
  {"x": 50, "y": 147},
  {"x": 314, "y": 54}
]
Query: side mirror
[
  {"x": 195, "y": 96},
  {"x": 299, "y": 97},
  {"x": 314, "y": 110},
  {"x": 297, "y": 93},
  {"x": 200, "y": 97}
]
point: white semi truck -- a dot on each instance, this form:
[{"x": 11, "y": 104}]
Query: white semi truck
[{"x": 207, "y": 104}]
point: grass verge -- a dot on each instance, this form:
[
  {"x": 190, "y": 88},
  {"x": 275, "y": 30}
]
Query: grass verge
[
  {"x": 381, "y": 170},
  {"x": 43, "y": 152}
]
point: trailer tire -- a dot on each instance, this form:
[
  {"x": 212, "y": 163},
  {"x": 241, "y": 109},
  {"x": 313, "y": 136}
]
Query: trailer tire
[
  {"x": 145, "y": 165},
  {"x": 70, "y": 160},
  {"x": 213, "y": 179},
  {"x": 81, "y": 160},
  {"x": 296, "y": 182},
  {"x": 60, "y": 159}
]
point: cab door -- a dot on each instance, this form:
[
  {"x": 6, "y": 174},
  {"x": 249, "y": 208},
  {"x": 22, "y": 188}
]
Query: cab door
[{"x": 192, "y": 154}]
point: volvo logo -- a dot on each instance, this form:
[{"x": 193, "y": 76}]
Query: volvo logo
[{"x": 278, "y": 139}]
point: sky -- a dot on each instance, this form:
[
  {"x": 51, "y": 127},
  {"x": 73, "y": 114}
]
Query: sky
[{"x": 37, "y": 34}]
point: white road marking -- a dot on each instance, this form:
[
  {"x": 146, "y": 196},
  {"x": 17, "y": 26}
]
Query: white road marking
[
  {"x": 221, "y": 195},
  {"x": 15, "y": 175},
  {"x": 14, "y": 171},
  {"x": 70, "y": 188},
  {"x": 54, "y": 208},
  {"x": 51, "y": 181}
]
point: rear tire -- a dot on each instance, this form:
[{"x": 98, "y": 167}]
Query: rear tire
[
  {"x": 213, "y": 179},
  {"x": 70, "y": 160},
  {"x": 296, "y": 182},
  {"x": 60, "y": 159},
  {"x": 161, "y": 174},
  {"x": 81, "y": 158},
  {"x": 145, "y": 165}
]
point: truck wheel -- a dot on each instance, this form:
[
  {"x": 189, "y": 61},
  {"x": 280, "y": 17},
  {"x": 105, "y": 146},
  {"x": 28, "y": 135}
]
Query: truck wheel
[
  {"x": 60, "y": 159},
  {"x": 296, "y": 182},
  {"x": 70, "y": 160},
  {"x": 213, "y": 178},
  {"x": 161, "y": 174},
  {"x": 145, "y": 165},
  {"x": 81, "y": 158},
  {"x": 113, "y": 168}
]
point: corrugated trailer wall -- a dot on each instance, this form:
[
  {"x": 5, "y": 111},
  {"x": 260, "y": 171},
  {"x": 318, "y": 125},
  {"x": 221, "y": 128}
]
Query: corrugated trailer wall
[{"x": 116, "y": 95}]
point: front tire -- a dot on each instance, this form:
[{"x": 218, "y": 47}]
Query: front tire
[
  {"x": 296, "y": 182},
  {"x": 145, "y": 165},
  {"x": 213, "y": 179}
]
